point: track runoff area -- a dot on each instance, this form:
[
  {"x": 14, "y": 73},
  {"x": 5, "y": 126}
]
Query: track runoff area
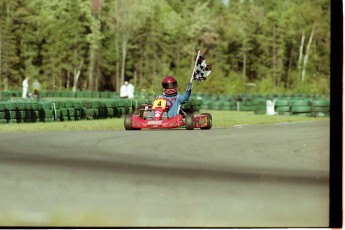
[{"x": 274, "y": 175}]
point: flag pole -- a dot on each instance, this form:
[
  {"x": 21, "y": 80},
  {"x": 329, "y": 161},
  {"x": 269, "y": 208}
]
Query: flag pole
[{"x": 196, "y": 60}]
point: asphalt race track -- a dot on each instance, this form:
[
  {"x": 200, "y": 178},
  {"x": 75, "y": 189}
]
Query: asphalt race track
[{"x": 244, "y": 176}]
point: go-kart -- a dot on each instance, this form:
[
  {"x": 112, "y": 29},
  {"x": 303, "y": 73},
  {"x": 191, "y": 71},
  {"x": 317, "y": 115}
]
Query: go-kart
[{"x": 155, "y": 116}]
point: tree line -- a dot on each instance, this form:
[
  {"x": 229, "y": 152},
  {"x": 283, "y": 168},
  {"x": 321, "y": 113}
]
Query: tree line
[{"x": 255, "y": 46}]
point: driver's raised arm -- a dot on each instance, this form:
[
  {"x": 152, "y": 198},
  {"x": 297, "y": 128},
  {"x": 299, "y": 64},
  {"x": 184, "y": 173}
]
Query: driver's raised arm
[{"x": 185, "y": 97}]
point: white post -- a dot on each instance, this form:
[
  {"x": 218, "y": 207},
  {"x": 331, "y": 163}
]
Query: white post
[
  {"x": 196, "y": 60},
  {"x": 54, "y": 110}
]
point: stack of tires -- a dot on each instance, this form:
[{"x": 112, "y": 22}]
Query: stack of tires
[
  {"x": 61, "y": 113},
  {"x": 320, "y": 107},
  {"x": 104, "y": 94},
  {"x": 70, "y": 111},
  {"x": 7, "y": 112},
  {"x": 246, "y": 104},
  {"x": 283, "y": 107},
  {"x": 206, "y": 104},
  {"x": 31, "y": 111},
  {"x": 78, "y": 112},
  {"x": 88, "y": 111},
  {"x": 11, "y": 112},
  {"x": 259, "y": 106},
  {"x": 226, "y": 105},
  {"x": 137, "y": 103},
  {"x": 64, "y": 94},
  {"x": 46, "y": 111},
  {"x": 301, "y": 107},
  {"x": 18, "y": 111},
  {"x": 123, "y": 106},
  {"x": 214, "y": 105},
  {"x": 110, "y": 108},
  {"x": 3, "y": 119},
  {"x": 92, "y": 111}
]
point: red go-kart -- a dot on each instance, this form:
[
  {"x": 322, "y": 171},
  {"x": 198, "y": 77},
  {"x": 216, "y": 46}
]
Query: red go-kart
[{"x": 155, "y": 116}]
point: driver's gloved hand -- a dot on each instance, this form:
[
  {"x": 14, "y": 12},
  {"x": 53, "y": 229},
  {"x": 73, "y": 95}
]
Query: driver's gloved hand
[{"x": 190, "y": 86}]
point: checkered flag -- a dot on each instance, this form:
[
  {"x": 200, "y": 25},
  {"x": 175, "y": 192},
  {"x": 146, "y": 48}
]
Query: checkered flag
[{"x": 201, "y": 70}]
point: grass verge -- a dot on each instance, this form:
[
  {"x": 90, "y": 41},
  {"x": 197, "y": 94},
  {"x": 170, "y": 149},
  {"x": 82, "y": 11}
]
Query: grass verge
[{"x": 220, "y": 119}]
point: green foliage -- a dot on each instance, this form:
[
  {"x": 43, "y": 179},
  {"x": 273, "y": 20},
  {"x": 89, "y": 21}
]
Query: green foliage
[
  {"x": 109, "y": 41},
  {"x": 314, "y": 84},
  {"x": 267, "y": 86}
]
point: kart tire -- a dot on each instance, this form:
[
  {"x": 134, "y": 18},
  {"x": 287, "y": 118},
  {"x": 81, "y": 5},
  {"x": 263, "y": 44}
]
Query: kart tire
[
  {"x": 302, "y": 109},
  {"x": 320, "y": 103},
  {"x": 189, "y": 122},
  {"x": 281, "y": 102},
  {"x": 128, "y": 122},
  {"x": 283, "y": 109},
  {"x": 321, "y": 109},
  {"x": 297, "y": 103},
  {"x": 209, "y": 121}
]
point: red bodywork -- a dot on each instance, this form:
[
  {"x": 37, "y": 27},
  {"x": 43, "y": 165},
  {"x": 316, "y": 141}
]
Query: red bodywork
[
  {"x": 174, "y": 122},
  {"x": 159, "y": 119}
]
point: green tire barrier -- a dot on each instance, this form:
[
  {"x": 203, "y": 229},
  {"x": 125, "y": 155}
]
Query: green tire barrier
[
  {"x": 282, "y": 109},
  {"x": 320, "y": 109},
  {"x": 205, "y": 104},
  {"x": 282, "y": 103},
  {"x": 295, "y": 103},
  {"x": 12, "y": 121},
  {"x": 302, "y": 109},
  {"x": 2, "y": 105},
  {"x": 246, "y": 108},
  {"x": 259, "y": 107},
  {"x": 321, "y": 114},
  {"x": 320, "y": 103},
  {"x": 90, "y": 114},
  {"x": 259, "y": 102},
  {"x": 102, "y": 105},
  {"x": 10, "y": 106},
  {"x": 303, "y": 114},
  {"x": 285, "y": 113},
  {"x": 227, "y": 105}
]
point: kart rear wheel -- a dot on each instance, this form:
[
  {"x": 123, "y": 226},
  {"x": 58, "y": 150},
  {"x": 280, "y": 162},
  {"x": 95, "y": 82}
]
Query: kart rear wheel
[
  {"x": 209, "y": 121},
  {"x": 128, "y": 122},
  {"x": 189, "y": 122}
]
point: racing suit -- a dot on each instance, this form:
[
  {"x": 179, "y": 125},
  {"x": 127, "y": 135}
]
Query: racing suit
[{"x": 174, "y": 102}]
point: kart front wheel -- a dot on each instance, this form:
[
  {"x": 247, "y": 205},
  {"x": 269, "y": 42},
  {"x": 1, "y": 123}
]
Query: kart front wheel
[
  {"x": 189, "y": 122},
  {"x": 128, "y": 122}
]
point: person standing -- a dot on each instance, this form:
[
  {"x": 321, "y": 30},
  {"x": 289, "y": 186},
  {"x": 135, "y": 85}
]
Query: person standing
[
  {"x": 25, "y": 87},
  {"x": 130, "y": 90},
  {"x": 123, "y": 90},
  {"x": 36, "y": 86}
]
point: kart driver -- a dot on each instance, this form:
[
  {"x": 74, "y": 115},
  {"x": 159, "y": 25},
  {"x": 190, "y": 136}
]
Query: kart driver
[{"x": 174, "y": 99}]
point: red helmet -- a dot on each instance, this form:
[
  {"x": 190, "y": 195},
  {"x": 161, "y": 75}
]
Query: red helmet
[{"x": 169, "y": 85}]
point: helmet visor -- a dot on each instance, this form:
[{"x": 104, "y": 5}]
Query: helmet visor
[{"x": 169, "y": 85}]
